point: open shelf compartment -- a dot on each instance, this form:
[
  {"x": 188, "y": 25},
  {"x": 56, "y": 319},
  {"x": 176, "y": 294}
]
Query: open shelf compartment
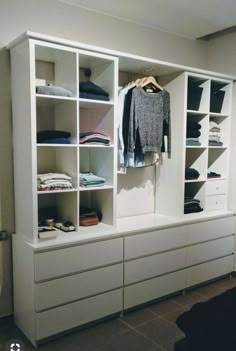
[
  {"x": 198, "y": 92},
  {"x": 197, "y": 159},
  {"x": 220, "y": 96},
  {"x": 101, "y": 201},
  {"x": 57, "y": 66},
  {"x": 60, "y": 207},
  {"x": 57, "y": 115},
  {"x": 98, "y": 69},
  {"x": 99, "y": 120},
  {"x": 58, "y": 160}
]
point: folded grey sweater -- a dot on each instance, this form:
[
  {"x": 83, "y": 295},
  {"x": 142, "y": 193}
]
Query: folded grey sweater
[
  {"x": 148, "y": 113},
  {"x": 53, "y": 90}
]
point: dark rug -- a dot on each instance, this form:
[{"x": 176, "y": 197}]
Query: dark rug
[{"x": 210, "y": 325}]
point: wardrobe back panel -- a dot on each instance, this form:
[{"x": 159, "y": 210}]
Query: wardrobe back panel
[{"x": 136, "y": 192}]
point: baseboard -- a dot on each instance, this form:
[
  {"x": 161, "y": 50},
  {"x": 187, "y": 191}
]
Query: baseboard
[{"x": 6, "y": 319}]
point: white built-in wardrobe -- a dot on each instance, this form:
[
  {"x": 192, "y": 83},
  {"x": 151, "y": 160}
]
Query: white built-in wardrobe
[{"x": 145, "y": 247}]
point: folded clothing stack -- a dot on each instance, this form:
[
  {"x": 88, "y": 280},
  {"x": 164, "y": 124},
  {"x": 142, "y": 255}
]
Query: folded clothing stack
[
  {"x": 213, "y": 175},
  {"x": 191, "y": 205},
  {"x": 214, "y": 134},
  {"x": 94, "y": 138},
  {"x": 53, "y": 137},
  {"x": 193, "y": 133},
  {"x": 90, "y": 180},
  {"x": 54, "y": 181},
  {"x": 50, "y": 89},
  {"x": 89, "y": 217},
  {"x": 89, "y": 90},
  {"x": 191, "y": 173}
]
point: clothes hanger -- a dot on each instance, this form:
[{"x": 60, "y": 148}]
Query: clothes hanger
[{"x": 151, "y": 80}]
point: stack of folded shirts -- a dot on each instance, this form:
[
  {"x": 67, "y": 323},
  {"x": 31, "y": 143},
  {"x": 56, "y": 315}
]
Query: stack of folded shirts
[
  {"x": 53, "y": 137},
  {"x": 53, "y": 90},
  {"x": 89, "y": 90},
  {"x": 213, "y": 175},
  {"x": 89, "y": 217},
  {"x": 192, "y": 205},
  {"x": 191, "y": 173},
  {"x": 90, "y": 180},
  {"x": 193, "y": 133},
  {"x": 94, "y": 138},
  {"x": 54, "y": 181},
  {"x": 214, "y": 134}
]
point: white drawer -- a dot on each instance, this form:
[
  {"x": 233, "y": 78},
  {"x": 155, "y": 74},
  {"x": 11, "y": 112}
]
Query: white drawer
[
  {"x": 77, "y": 258},
  {"x": 75, "y": 314},
  {"x": 209, "y": 270},
  {"x": 152, "y": 266},
  {"x": 216, "y": 187},
  {"x": 213, "y": 229},
  {"x": 152, "y": 242},
  {"x": 210, "y": 250},
  {"x": 215, "y": 202},
  {"x": 152, "y": 289},
  {"x": 60, "y": 291}
]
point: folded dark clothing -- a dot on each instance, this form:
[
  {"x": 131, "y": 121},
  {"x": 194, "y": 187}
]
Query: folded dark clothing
[
  {"x": 97, "y": 141},
  {"x": 51, "y": 134},
  {"x": 213, "y": 175},
  {"x": 215, "y": 143},
  {"x": 192, "y": 210},
  {"x": 91, "y": 88},
  {"x": 57, "y": 141},
  {"x": 83, "y": 134},
  {"x": 191, "y": 173},
  {"x": 193, "y": 126},
  {"x": 193, "y": 133},
  {"x": 53, "y": 90},
  {"x": 91, "y": 96}
]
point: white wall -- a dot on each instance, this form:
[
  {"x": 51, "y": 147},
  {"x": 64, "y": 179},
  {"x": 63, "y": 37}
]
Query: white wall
[
  {"x": 54, "y": 18},
  {"x": 62, "y": 20},
  {"x": 221, "y": 54}
]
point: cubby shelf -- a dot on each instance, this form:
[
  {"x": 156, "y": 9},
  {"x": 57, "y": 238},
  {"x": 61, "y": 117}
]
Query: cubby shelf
[{"x": 212, "y": 101}]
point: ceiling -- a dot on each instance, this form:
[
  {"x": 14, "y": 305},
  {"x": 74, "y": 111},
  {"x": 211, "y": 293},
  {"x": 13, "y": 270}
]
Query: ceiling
[{"x": 188, "y": 18}]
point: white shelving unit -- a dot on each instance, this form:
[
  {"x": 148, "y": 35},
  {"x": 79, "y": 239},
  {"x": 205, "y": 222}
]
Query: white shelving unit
[
  {"x": 145, "y": 247},
  {"x": 212, "y": 100},
  {"x": 63, "y": 66}
]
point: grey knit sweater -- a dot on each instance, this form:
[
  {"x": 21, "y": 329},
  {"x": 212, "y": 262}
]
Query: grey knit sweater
[{"x": 148, "y": 114}]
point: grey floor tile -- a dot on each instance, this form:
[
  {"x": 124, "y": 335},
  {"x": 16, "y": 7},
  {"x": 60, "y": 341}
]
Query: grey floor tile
[
  {"x": 164, "y": 307},
  {"x": 130, "y": 341},
  {"x": 159, "y": 330},
  {"x": 136, "y": 318},
  {"x": 171, "y": 316},
  {"x": 188, "y": 299}
]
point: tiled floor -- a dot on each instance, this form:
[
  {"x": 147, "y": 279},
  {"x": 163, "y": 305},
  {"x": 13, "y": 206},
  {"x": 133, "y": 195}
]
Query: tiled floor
[{"x": 150, "y": 329}]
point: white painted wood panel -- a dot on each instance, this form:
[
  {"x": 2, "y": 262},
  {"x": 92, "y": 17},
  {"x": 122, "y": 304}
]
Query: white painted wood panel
[
  {"x": 209, "y": 270},
  {"x": 216, "y": 187},
  {"x": 154, "y": 288},
  {"x": 155, "y": 265},
  {"x": 60, "y": 291},
  {"x": 215, "y": 202},
  {"x": 72, "y": 315},
  {"x": 209, "y": 230},
  {"x": 211, "y": 250},
  {"x": 24, "y": 289},
  {"x": 74, "y": 259},
  {"x": 152, "y": 242}
]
